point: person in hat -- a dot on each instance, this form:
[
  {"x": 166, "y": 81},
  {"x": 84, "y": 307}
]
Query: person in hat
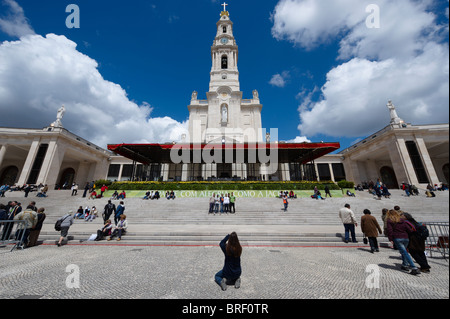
[{"x": 67, "y": 221}]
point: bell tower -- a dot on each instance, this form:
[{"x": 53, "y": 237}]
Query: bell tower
[
  {"x": 224, "y": 116},
  {"x": 224, "y": 54}
]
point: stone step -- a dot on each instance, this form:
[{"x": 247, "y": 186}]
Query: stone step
[
  {"x": 259, "y": 221},
  {"x": 212, "y": 238}
]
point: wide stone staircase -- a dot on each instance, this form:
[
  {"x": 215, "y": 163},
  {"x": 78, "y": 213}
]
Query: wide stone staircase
[{"x": 258, "y": 221}]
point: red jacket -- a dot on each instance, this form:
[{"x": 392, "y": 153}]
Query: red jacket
[{"x": 402, "y": 229}]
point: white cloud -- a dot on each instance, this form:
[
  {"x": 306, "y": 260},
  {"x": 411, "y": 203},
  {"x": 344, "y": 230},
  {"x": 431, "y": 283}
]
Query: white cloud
[
  {"x": 39, "y": 74},
  {"x": 405, "y": 60},
  {"x": 355, "y": 95},
  {"x": 279, "y": 80},
  {"x": 14, "y": 23}
]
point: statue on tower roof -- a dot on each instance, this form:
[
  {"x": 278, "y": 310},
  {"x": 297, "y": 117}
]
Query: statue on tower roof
[
  {"x": 395, "y": 119},
  {"x": 59, "y": 116}
]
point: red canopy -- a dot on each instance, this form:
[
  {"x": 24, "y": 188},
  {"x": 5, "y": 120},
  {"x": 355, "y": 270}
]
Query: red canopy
[{"x": 287, "y": 152}]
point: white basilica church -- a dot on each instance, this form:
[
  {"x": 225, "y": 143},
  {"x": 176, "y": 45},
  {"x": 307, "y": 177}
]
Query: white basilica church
[{"x": 227, "y": 123}]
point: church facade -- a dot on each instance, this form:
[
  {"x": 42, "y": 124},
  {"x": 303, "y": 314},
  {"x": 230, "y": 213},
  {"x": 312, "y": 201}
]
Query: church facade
[{"x": 226, "y": 141}]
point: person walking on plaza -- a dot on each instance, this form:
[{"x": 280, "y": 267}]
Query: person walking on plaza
[
  {"x": 86, "y": 189},
  {"x": 232, "y": 202},
  {"x": 27, "y": 189},
  {"x": 13, "y": 208},
  {"x": 67, "y": 221},
  {"x": 36, "y": 230},
  {"x": 103, "y": 189},
  {"x": 212, "y": 200},
  {"x": 74, "y": 189},
  {"x": 327, "y": 191},
  {"x": 371, "y": 228},
  {"x": 416, "y": 246},
  {"x": 285, "y": 203},
  {"x": 398, "y": 233},
  {"x": 232, "y": 270},
  {"x": 216, "y": 204},
  {"x": 23, "y": 230},
  {"x": 110, "y": 208},
  {"x": 348, "y": 219},
  {"x": 221, "y": 203},
  {"x": 119, "y": 212},
  {"x": 226, "y": 203}
]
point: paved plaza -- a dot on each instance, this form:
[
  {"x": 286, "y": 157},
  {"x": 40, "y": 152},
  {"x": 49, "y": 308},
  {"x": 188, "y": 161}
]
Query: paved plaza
[
  {"x": 152, "y": 272},
  {"x": 145, "y": 268}
]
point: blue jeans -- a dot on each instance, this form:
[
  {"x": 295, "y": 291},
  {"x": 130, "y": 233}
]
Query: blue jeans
[
  {"x": 350, "y": 228},
  {"x": 401, "y": 244},
  {"x": 219, "y": 276}
]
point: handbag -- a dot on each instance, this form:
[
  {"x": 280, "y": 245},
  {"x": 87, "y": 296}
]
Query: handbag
[
  {"x": 59, "y": 222},
  {"x": 365, "y": 239}
]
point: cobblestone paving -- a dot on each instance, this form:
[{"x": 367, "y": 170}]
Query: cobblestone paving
[{"x": 152, "y": 272}]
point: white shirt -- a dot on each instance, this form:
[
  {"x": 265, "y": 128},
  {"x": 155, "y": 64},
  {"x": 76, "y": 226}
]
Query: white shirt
[{"x": 347, "y": 216}]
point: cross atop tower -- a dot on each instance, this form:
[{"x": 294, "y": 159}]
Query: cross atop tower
[{"x": 225, "y": 6}]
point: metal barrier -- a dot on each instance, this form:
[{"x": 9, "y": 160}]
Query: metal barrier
[
  {"x": 437, "y": 241},
  {"x": 12, "y": 232}
]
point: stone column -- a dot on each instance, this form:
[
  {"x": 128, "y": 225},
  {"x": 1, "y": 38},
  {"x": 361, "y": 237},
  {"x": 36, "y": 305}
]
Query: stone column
[
  {"x": 330, "y": 166},
  {"x": 101, "y": 170},
  {"x": 316, "y": 170},
  {"x": 27, "y": 166},
  {"x": 286, "y": 175},
  {"x": 82, "y": 174},
  {"x": 51, "y": 165},
  {"x": 119, "y": 176},
  {"x": 401, "y": 162},
  {"x": 3, "y": 150},
  {"x": 351, "y": 168},
  {"x": 372, "y": 170},
  {"x": 165, "y": 172},
  {"x": 185, "y": 172},
  {"x": 427, "y": 163}
]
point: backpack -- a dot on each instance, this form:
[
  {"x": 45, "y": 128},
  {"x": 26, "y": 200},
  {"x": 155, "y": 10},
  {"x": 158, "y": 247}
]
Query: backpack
[
  {"x": 58, "y": 225},
  {"x": 59, "y": 222},
  {"x": 422, "y": 231}
]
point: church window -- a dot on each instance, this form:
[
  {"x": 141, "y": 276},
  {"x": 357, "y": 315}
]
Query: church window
[
  {"x": 224, "y": 29},
  {"x": 224, "y": 62}
]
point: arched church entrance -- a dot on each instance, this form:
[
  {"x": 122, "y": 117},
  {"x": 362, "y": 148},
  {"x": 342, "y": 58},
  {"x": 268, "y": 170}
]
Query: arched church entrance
[
  {"x": 388, "y": 177},
  {"x": 67, "y": 178},
  {"x": 9, "y": 175}
]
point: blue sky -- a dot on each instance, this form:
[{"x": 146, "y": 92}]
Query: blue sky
[{"x": 337, "y": 74}]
